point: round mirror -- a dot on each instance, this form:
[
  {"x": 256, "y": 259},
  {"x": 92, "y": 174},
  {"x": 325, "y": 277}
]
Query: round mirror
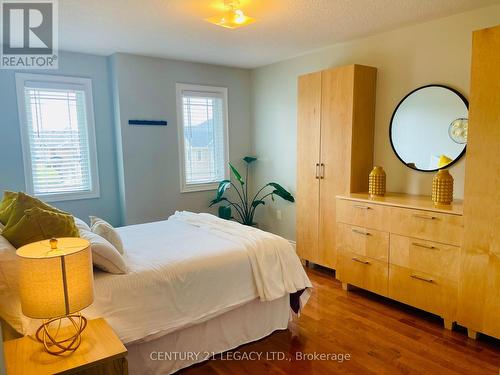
[{"x": 429, "y": 128}]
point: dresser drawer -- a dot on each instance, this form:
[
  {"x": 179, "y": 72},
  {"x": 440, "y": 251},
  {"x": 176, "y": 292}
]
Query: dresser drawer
[
  {"x": 363, "y": 214},
  {"x": 424, "y": 291},
  {"x": 433, "y": 258},
  {"x": 432, "y": 226},
  {"x": 363, "y": 272},
  {"x": 362, "y": 241}
]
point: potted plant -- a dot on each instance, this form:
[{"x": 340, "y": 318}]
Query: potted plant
[{"x": 244, "y": 207}]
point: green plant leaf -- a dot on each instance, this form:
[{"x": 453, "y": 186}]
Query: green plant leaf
[
  {"x": 256, "y": 203},
  {"x": 237, "y": 174},
  {"x": 225, "y": 212},
  {"x": 249, "y": 159},
  {"x": 282, "y": 192},
  {"x": 223, "y": 185},
  {"x": 218, "y": 200}
]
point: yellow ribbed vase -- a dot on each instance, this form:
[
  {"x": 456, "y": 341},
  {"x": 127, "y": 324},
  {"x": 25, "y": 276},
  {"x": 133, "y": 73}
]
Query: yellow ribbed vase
[
  {"x": 377, "y": 180},
  {"x": 442, "y": 188}
]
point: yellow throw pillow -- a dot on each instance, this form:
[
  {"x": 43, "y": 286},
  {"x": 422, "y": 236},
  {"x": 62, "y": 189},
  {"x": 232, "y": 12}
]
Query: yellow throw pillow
[
  {"x": 6, "y": 206},
  {"x": 38, "y": 224},
  {"x": 25, "y": 202}
]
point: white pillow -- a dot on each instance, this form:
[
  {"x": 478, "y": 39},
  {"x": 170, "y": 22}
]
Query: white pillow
[
  {"x": 106, "y": 230},
  {"x": 104, "y": 255},
  {"x": 8, "y": 264},
  {"x": 81, "y": 225},
  {"x": 10, "y": 305}
]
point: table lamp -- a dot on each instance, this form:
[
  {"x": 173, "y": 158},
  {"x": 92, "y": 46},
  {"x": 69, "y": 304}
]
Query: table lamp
[{"x": 56, "y": 282}]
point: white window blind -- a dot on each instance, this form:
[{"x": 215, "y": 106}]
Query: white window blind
[
  {"x": 203, "y": 130},
  {"x": 58, "y": 137}
]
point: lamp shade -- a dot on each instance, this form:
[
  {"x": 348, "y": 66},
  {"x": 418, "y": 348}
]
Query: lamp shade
[{"x": 55, "y": 277}]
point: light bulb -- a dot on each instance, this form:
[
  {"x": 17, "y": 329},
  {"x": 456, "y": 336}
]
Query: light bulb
[
  {"x": 239, "y": 16},
  {"x": 232, "y": 19}
]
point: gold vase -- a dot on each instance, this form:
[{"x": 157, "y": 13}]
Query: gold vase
[
  {"x": 442, "y": 188},
  {"x": 376, "y": 186}
]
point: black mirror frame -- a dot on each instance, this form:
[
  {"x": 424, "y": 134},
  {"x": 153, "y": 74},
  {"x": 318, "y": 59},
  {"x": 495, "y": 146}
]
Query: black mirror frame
[{"x": 466, "y": 102}]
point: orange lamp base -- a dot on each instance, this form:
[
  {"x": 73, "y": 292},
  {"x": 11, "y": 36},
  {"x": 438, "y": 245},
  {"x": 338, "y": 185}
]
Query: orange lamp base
[{"x": 59, "y": 345}]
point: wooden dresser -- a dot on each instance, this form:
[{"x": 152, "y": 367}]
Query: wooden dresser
[{"x": 402, "y": 247}]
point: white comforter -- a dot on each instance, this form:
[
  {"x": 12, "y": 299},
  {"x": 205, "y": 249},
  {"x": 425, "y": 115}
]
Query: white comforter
[
  {"x": 188, "y": 269},
  {"x": 275, "y": 266}
]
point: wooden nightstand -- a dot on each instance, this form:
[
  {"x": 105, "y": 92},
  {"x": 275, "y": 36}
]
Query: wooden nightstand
[{"x": 101, "y": 352}]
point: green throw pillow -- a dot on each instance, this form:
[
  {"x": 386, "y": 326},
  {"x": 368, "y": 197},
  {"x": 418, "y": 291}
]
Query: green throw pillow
[
  {"x": 25, "y": 202},
  {"x": 38, "y": 224},
  {"x": 6, "y": 206}
]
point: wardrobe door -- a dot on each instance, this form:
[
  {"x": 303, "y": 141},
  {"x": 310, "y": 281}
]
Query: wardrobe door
[
  {"x": 479, "y": 291},
  {"x": 308, "y": 141},
  {"x": 336, "y": 122}
]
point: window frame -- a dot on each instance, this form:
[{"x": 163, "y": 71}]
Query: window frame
[
  {"x": 221, "y": 91},
  {"x": 46, "y": 81}
]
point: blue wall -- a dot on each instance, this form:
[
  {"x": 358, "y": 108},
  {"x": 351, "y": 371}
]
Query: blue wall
[
  {"x": 142, "y": 162},
  {"x": 11, "y": 161},
  {"x": 148, "y": 156}
]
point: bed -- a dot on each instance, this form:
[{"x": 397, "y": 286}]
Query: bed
[{"x": 196, "y": 286}]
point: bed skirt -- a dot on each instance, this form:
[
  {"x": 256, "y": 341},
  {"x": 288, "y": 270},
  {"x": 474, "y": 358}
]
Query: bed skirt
[{"x": 194, "y": 344}]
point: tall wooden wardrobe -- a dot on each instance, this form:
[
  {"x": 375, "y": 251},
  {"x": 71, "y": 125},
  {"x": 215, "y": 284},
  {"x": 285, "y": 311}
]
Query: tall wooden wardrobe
[
  {"x": 479, "y": 289},
  {"x": 335, "y": 129}
]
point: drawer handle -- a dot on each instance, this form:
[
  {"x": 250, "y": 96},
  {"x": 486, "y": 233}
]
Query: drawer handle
[
  {"x": 417, "y": 277},
  {"x": 322, "y": 171},
  {"x": 317, "y": 170},
  {"x": 361, "y": 207},
  {"x": 424, "y": 246},
  {"x": 361, "y": 261},
  {"x": 365, "y": 233},
  {"x": 425, "y": 217}
]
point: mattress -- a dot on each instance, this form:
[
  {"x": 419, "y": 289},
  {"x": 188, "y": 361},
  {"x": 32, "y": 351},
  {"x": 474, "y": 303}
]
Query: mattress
[{"x": 180, "y": 275}]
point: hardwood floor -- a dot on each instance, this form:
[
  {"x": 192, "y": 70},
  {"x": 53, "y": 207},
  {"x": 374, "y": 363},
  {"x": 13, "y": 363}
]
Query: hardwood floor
[{"x": 381, "y": 336}]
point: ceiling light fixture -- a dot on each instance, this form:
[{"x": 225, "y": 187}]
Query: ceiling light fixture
[{"x": 233, "y": 17}]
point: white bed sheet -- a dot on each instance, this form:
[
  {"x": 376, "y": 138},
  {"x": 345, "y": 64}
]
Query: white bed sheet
[
  {"x": 250, "y": 322},
  {"x": 180, "y": 275}
]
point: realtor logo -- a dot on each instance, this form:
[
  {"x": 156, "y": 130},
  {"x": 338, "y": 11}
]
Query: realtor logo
[{"x": 29, "y": 34}]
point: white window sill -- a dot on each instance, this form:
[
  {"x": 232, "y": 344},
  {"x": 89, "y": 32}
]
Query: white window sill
[
  {"x": 199, "y": 187},
  {"x": 67, "y": 196}
]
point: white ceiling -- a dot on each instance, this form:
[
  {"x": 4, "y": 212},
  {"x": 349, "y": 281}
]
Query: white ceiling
[{"x": 285, "y": 28}]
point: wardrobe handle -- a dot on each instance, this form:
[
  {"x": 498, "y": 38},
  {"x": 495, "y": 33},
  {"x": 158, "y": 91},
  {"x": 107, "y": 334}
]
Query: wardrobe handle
[
  {"x": 317, "y": 170},
  {"x": 361, "y": 261},
  {"x": 425, "y": 217},
  {"x": 365, "y": 233},
  {"x": 417, "y": 277},
  {"x": 361, "y": 207},
  {"x": 424, "y": 246},
  {"x": 322, "y": 171}
]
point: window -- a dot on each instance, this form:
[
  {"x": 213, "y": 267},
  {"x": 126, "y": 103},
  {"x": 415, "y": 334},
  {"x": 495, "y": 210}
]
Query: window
[
  {"x": 203, "y": 138},
  {"x": 58, "y": 137},
  {"x": 199, "y": 155}
]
